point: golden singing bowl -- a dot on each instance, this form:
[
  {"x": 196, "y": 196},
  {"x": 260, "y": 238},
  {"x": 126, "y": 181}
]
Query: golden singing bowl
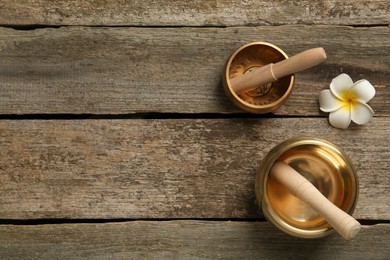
[
  {"x": 263, "y": 99},
  {"x": 322, "y": 163}
]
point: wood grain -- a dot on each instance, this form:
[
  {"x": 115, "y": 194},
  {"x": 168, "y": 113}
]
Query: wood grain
[
  {"x": 183, "y": 240},
  {"x": 80, "y": 70},
  {"x": 193, "y": 13},
  {"x": 205, "y": 168},
  {"x": 138, "y": 188}
]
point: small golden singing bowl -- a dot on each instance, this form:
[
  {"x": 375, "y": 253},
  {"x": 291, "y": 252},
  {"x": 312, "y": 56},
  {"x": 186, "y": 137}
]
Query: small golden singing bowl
[
  {"x": 322, "y": 163},
  {"x": 265, "y": 98}
]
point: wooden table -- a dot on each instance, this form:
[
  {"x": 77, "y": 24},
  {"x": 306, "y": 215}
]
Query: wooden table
[{"x": 118, "y": 141}]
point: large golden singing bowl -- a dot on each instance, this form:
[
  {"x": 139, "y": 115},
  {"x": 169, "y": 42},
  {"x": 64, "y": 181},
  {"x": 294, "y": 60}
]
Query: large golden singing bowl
[
  {"x": 325, "y": 166},
  {"x": 263, "y": 99}
]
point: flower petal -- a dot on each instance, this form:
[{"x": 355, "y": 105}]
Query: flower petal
[
  {"x": 340, "y": 118},
  {"x": 361, "y": 113},
  {"x": 363, "y": 90},
  {"x": 328, "y": 102},
  {"x": 340, "y": 84}
]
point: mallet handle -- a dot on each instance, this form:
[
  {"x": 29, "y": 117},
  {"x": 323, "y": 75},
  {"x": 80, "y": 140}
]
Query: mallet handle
[
  {"x": 300, "y": 187},
  {"x": 272, "y": 72}
]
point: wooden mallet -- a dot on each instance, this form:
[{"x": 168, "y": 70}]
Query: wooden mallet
[
  {"x": 300, "y": 187},
  {"x": 272, "y": 72}
]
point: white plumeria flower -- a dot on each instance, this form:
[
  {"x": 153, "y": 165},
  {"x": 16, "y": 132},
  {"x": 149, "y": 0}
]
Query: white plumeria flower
[{"x": 346, "y": 101}]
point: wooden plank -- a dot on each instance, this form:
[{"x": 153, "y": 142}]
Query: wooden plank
[
  {"x": 184, "y": 240},
  {"x": 194, "y": 13},
  {"x": 174, "y": 70},
  {"x": 205, "y": 168}
]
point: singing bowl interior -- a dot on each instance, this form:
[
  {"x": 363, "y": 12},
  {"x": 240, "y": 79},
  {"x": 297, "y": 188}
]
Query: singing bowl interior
[{"x": 263, "y": 99}]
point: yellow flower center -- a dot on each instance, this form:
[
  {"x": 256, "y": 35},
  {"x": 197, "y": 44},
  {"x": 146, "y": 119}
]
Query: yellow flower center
[{"x": 348, "y": 99}]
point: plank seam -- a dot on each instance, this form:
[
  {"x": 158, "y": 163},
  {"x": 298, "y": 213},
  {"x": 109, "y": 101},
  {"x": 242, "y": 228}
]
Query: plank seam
[
  {"x": 31, "y": 27},
  {"x": 55, "y": 221},
  {"x": 148, "y": 115}
]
